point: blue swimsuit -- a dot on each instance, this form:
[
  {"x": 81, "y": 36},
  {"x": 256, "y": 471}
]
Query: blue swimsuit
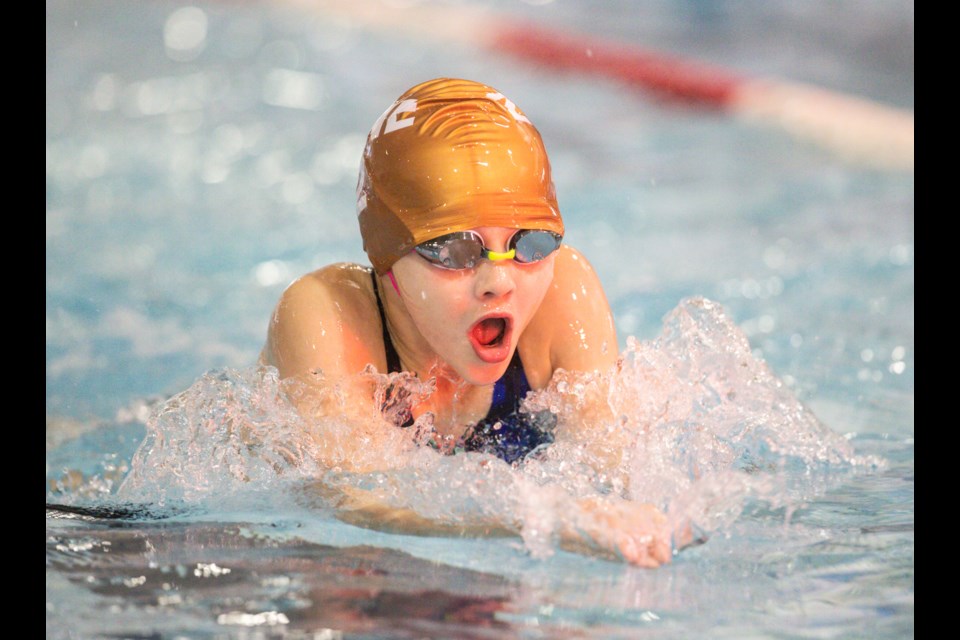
[{"x": 505, "y": 432}]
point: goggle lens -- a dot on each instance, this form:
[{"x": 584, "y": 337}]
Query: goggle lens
[
  {"x": 534, "y": 245},
  {"x": 460, "y": 253},
  {"x": 464, "y": 249}
]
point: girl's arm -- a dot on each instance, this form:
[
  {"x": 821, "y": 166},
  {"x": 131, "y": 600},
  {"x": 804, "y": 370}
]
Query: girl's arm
[
  {"x": 574, "y": 329},
  {"x": 635, "y": 533}
]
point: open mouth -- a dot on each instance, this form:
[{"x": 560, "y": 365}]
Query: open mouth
[
  {"x": 490, "y": 332},
  {"x": 491, "y": 338}
]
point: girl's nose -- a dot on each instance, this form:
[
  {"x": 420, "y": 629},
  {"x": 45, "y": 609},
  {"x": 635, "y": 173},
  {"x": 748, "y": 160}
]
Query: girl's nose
[{"x": 494, "y": 278}]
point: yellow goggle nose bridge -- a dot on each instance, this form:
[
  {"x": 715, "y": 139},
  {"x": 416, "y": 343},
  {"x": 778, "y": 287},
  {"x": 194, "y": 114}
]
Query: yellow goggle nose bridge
[{"x": 495, "y": 256}]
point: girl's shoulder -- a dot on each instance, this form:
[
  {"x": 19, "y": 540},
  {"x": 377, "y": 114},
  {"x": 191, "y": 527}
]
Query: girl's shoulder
[
  {"x": 341, "y": 288},
  {"x": 574, "y": 327},
  {"x": 340, "y": 277},
  {"x": 327, "y": 318}
]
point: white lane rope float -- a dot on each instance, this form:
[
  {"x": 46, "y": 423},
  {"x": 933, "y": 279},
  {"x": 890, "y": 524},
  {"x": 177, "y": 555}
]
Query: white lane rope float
[{"x": 861, "y": 130}]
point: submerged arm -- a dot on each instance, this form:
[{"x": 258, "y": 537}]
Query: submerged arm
[
  {"x": 365, "y": 509},
  {"x": 596, "y": 526},
  {"x": 327, "y": 322}
]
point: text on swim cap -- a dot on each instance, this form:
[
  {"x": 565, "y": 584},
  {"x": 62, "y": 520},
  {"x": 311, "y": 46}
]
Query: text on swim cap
[
  {"x": 392, "y": 119},
  {"x": 507, "y": 104},
  {"x": 394, "y": 122}
]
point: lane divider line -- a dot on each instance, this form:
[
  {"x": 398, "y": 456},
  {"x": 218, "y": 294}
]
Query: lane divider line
[{"x": 858, "y": 129}]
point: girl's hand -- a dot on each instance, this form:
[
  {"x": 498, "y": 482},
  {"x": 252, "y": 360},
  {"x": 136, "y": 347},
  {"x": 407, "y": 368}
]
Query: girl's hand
[{"x": 638, "y": 533}]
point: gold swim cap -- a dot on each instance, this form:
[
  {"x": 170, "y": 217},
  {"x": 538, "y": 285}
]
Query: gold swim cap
[{"x": 451, "y": 155}]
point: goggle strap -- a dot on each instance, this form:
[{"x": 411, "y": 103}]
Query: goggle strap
[{"x": 393, "y": 281}]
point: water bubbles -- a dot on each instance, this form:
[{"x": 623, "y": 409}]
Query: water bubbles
[
  {"x": 337, "y": 162},
  {"x": 692, "y": 423},
  {"x": 297, "y": 188},
  {"x": 282, "y": 54},
  {"x": 273, "y": 167},
  {"x": 244, "y": 619},
  {"x": 897, "y": 364},
  {"x": 185, "y": 33},
  {"x": 209, "y": 570},
  {"x": 228, "y": 432},
  {"x": 214, "y": 170},
  {"x": 293, "y": 89},
  {"x": 901, "y": 254},
  {"x": 242, "y": 37},
  {"x": 105, "y": 92},
  {"x": 752, "y": 288},
  {"x": 166, "y": 96},
  {"x": 228, "y": 141},
  {"x": 92, "y": 162},
  {"x": 627, "y": 322},
  {"x": 774, "y": 257},
  {"x": 272, "y": 272}
]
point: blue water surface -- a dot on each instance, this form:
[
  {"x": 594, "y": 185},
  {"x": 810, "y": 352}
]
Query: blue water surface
[{"x": 185, "y": 190}]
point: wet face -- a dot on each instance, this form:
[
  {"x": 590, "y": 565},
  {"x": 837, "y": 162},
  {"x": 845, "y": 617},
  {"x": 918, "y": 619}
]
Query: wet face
[{"x": 472, "y": 319}]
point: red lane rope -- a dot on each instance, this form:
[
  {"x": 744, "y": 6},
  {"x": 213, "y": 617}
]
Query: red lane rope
[
  {"x": 861, "y": 130},
  {"x": 672, "y": 76},
  {"x": 856, "y": 128}
]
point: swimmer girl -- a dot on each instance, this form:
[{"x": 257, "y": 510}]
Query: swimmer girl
[{"x": 471, "y": 289}]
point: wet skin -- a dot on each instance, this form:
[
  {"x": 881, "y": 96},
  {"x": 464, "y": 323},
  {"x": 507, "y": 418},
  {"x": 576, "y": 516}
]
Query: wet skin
[
  {"x": 445, "y": 306},
  {"x": 557, "y": 317},
  {"x": 555, "y": 310}
]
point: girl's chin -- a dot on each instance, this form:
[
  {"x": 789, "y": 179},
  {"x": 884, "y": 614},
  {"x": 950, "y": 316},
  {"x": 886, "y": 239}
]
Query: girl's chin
[
  {"x": 472, "y": 369},
  {"x": 485, "y": 373}
]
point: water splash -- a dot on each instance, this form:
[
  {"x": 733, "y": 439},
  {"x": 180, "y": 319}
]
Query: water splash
[
  {"x": 243, "y": 431},
  {"x": 694, "y": 423},
  {"x": 691, "y": 422}
]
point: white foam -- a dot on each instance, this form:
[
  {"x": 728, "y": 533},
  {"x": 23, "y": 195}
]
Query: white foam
[{"x": 691, "y": 422}]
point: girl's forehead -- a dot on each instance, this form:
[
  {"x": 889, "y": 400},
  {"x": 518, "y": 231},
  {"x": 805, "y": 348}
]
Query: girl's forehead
[{"x": 494, "y": 232}]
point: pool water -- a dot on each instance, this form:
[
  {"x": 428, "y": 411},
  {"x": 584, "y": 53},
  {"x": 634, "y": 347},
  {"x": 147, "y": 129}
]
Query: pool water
[{"x": 201, "y": 156}]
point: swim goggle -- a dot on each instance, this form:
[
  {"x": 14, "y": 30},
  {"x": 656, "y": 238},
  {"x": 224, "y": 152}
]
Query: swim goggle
[{"x": 464, "y": 249}]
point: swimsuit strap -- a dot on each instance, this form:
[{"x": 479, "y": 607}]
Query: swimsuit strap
[
  {"x": 393, "y": 358},
  {"x": 505, "y": 431},
  {"x": 510, "y": 389}
]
